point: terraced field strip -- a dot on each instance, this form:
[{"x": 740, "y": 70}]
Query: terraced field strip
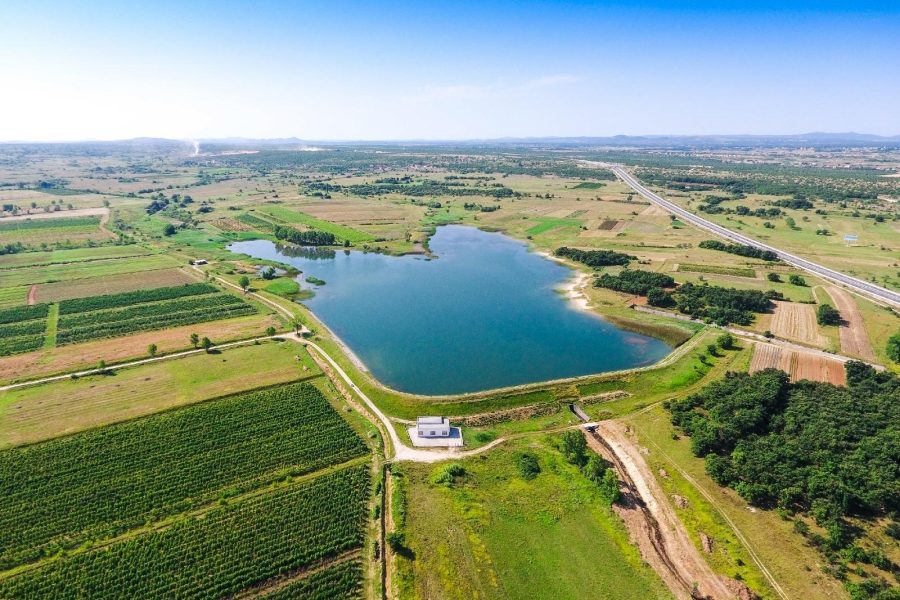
[
  {"x": 295, "y": 217},
  {"x": 854, "y": 339},
  {"x": 97, "y": 268},
  {"x": 117, "y": 478},
  {"x": 13, "y": 296},
  {"x": 795, "y": 321},
  {"x": 112, "y": 284},
  {"x": 78, "y": 255},
  {"x": 545, "y": 224}
]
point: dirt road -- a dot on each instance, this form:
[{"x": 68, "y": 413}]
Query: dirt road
[
  {"x": 854, "y": 339},
  {"x": 654, "y": 527}
]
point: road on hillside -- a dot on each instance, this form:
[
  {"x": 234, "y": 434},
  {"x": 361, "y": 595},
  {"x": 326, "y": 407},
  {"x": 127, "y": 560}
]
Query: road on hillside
[{"x": 858, "y": 285}]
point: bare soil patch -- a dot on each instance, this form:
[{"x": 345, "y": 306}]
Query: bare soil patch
[
  {"x": 796, "y": 321},
  {"x": 32, "y": 294},
  {"x": 608, "y": 225},
  {"x": 799, "y": 365},
  {"x": 103, "y": 213},
  {"x": 854, "y": 339},
  {"x": 113, "y": 284}
]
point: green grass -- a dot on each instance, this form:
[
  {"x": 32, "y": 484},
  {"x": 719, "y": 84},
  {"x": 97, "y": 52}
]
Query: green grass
[
  {"x": 341, "y": 231},
  {"x": 63, "y": 223},
  {"x": 282, "y": 286},
  {"x": 96, "y": 268},
  {"x": 13, "y": 296},
  {"x": 52, "y": 323},
  {"x": 495, "y": 535},
  {"x": 588, "y": 185},
  {"x": 546, "y": 224}
]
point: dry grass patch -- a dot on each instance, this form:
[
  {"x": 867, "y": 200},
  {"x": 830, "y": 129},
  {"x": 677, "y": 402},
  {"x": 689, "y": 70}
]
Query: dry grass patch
[
  {"x": 799, "y": 365},
  {"x": 854, "y": 339}
]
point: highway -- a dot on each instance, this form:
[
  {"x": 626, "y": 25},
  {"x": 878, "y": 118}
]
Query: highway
[{"x": 865, "y": 288}]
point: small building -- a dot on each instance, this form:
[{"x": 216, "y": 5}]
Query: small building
[
  {"x": 200, "y": 261},
  {"x": 429, "y": 427}
]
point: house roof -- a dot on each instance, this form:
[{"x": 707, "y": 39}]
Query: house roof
[{"x": 431, "y": 420}]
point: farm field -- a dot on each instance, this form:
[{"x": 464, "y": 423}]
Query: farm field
[
  {"x": 96, "y": 268},
  {"x": 47, "y": 231},
  {"x": 77, "y": 255},
  {"x": 799, "y": 365},
  {"x": 797, "y": 322},
  {"x": 13, "y": 296},
  {"x": 51, "y": 361},
  {"x": 112, "y": 284},
  {"x": 854, "y": 339},
  {"x": 342, "y": 232},
  {"x": 492, "y": 534},
  {"x": 35, "y": 413},
  {"x": 237, "y": 448}
]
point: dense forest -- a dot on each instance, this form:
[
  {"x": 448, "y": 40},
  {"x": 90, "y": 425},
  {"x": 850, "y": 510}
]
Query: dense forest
[
  {"x": 722, "y": 305},
  {"x": 817, "y": 450},
  {"x": 311, "y": 237},
  {"x": 595, "y": 258},
  {"x": 634, "y": 282},
  {"x": 739, "y": 249}
]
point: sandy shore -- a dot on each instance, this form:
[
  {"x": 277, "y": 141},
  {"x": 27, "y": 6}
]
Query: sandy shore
[{"x": 572, "y": 290}]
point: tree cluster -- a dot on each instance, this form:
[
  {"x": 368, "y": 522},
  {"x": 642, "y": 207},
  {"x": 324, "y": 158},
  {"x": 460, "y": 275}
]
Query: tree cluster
[
  {"x": 634, "y": 282},
  {"x": 311, "y": 237},
  {"x": 595, "y": 258},
  {"x": 739, "y": 249}
]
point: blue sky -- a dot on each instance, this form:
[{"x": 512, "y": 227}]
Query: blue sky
[{"x": 395, "y": 70}]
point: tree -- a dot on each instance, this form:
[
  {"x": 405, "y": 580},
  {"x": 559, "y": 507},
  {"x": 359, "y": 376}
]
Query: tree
[
  {"x": 106, "y": 203},
  {"x": 797, "y": 280},
  {"x": 151, "y": 349},
  {"x": 828, "y": 315},
  {"x": 893, "y": 347},
  {"x": 609, "y": 486},
  {"x": 101, "y": 366},
  {"x": 658, "y": 297},
  {"x": 270, "y": 331},
  {"x": 296, "y": 324},
  {"x": 726, "y": 341},
  {"x": 268, "y": 273},
  {"x": 244, "y": 282},
  {"x": 206, "y": 343},
  {"x": 712, "y": 349},
  {"x": 574, "y": 447},
  {"x": 169, "y": 229},
  {"x": 529, "y": 468},
  {"x": 195, "y": 340},
  {"x": 774, "y": 277}
]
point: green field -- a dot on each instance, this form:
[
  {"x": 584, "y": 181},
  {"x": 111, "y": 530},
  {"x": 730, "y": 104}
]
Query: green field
[
  {"x": 36, "y": 413},
  {"x": 493, "y": 534},
  {"x": 113, "y": 479},
  {"x": 342, "y": 232},
  {"x": 546, "y": 224},
  {"x": 717, "y": 269},
  {"x": 74, "y": 223},
  {"x": 96, "y": 268},
  {"x": 13, "y": 296},
  {"x": 77, "y": 255}
]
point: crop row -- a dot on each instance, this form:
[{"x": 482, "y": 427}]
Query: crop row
[
  {"x": 22, "y": 343},
  {"x": 78, "y": 305},
  {"x": 122, "y": 321},
  {"x": 10, "y": 330},
  {"x": 230, "y": 549},
  {"x": 97, "y": 484},
  {"x": 340, "y": 582},
  {"x": 24, "y": 313}
]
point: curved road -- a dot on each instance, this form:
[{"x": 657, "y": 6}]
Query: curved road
[{"x": 870, "y": 290}]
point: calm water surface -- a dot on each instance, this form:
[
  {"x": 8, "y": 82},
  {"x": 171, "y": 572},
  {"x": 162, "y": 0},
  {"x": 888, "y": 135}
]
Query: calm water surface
[{"x": 484, "y": 314}]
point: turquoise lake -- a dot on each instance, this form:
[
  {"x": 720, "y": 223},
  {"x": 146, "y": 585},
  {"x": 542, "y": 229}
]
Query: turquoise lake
[{"x": 485, "y": 313}]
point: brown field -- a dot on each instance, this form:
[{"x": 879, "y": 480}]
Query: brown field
[
  {"x": 33, "y": 414},
  {"x": 82, "y": 356},
  {"x": 114, "y": 284},
  {"x": 609, "y": 225},
  {"x": 854, "y": 339},
  {"x": 799, "y": 365},
  {"x": 795, "y": 321}
]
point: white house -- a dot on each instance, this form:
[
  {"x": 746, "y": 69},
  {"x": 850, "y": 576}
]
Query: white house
[{"x": 428, "y": 427}]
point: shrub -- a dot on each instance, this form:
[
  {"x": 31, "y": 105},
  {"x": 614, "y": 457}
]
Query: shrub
[
  {"x": 828, "y": 315},
  {"x": 797, "y": 280},
  {"x": 528, "y": 466},
  {"x": 893, "y": 347}
]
